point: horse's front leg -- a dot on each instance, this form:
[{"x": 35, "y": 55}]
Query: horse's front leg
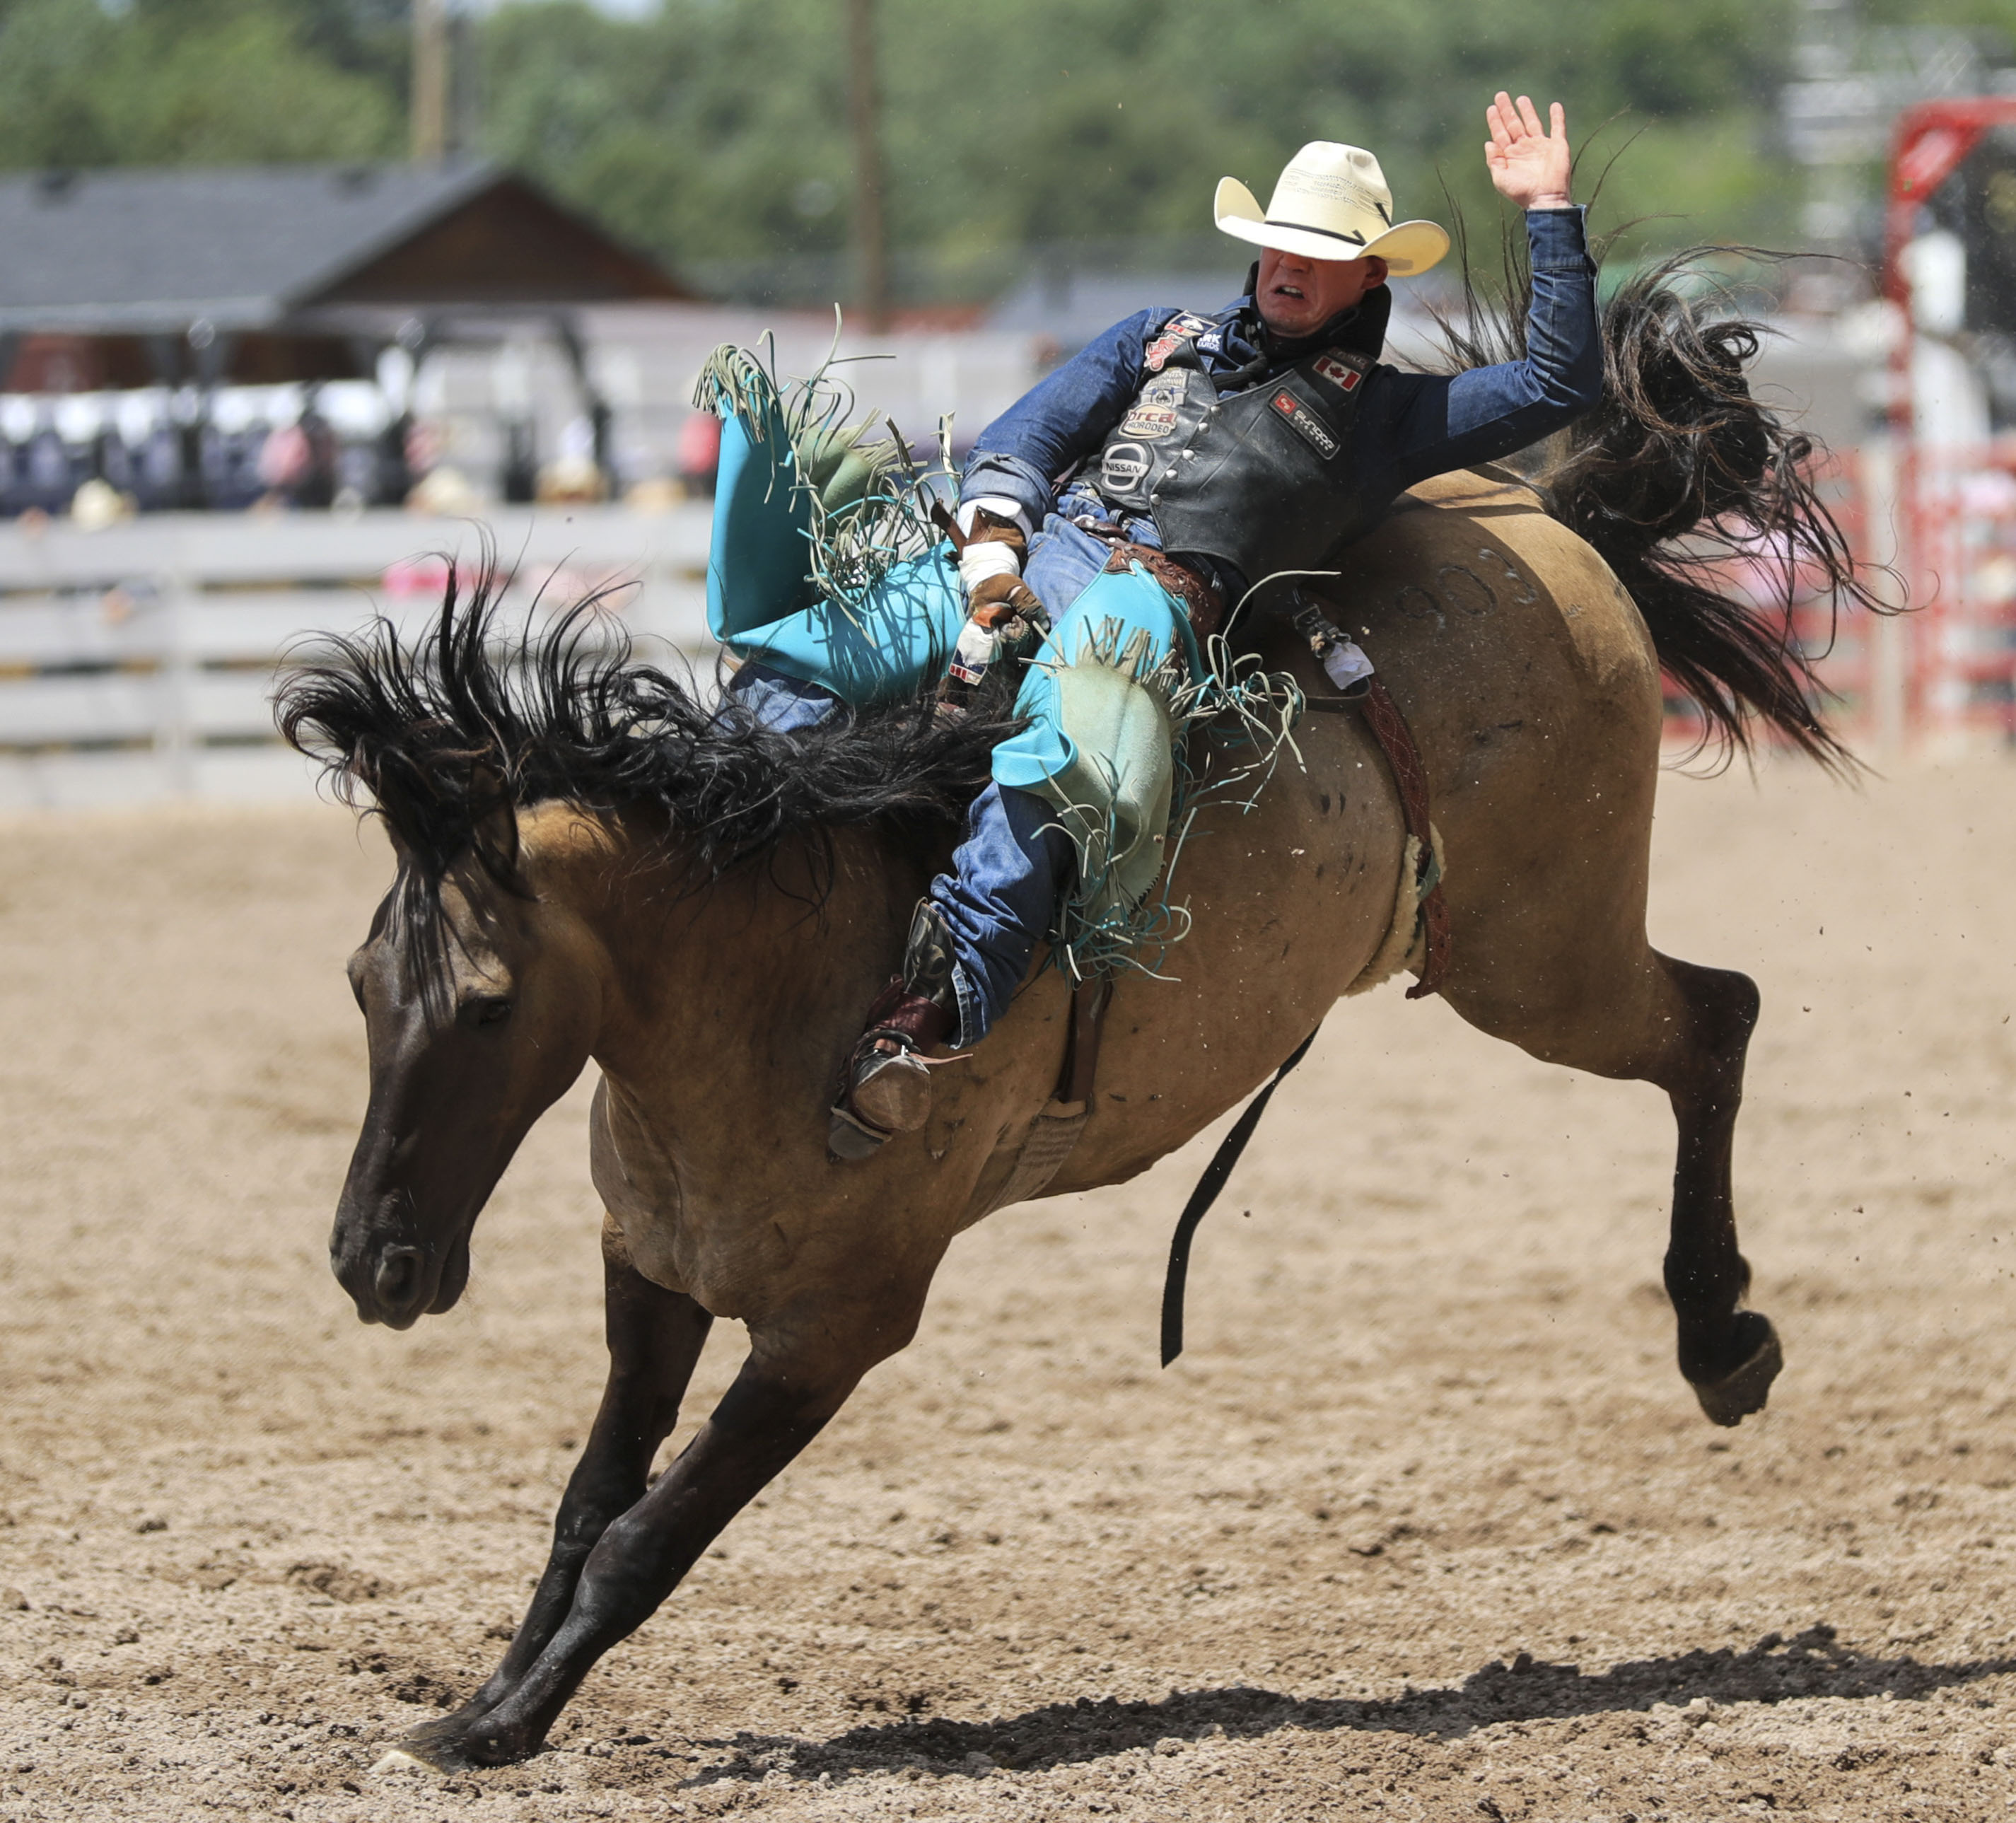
[
  {"x": 799, "y": 1372},
  {"x": 655, "y": 1338}
]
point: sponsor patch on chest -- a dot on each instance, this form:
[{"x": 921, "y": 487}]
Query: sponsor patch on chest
[
  {"x": 1123, "y": 468},
  {"x": 1175, "y": 332},
  {"x": 1308, "y": 426},
  {"x": 1155, "y": 411}
]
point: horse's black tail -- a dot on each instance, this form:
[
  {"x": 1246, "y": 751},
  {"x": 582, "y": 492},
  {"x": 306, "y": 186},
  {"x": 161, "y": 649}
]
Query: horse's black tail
[{"x": 1679, "y": 471}]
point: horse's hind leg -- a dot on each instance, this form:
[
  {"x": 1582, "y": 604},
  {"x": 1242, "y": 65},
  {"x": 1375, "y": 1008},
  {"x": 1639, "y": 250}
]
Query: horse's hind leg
[
  {"x": 1650, "y": 1017},
  {"x": 655, "y": 1337},
  {"x": 1729, "y": 1355}
]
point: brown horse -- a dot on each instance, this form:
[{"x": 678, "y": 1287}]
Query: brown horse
[{"x": 593, "y": 864}]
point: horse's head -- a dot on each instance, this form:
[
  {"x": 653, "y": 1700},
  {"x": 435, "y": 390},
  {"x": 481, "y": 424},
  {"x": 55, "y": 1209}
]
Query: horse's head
[
  {"x": 481, "y": 994},
  {"x": 485, "y": 980}
]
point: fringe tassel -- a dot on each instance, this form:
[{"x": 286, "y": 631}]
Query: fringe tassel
[{"x": 881, "y": 517}]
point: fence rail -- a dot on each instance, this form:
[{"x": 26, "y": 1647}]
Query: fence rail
[{"x": 137, "y": 661}]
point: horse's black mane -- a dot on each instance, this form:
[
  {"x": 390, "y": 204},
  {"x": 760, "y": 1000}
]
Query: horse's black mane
[{"x": 440, "y": 735}]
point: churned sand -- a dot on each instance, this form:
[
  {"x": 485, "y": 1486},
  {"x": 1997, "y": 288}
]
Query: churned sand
[{"x": 1425, "y": 1524}]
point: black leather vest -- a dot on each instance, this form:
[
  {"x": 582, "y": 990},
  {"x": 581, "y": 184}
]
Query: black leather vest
[
  {"x": 1258, "y": 480},
  {"x": 1172, "y": 402}
]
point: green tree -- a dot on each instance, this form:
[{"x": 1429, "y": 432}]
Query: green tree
[
  {"x": 194, "y": 81},
  {"x": 717, "y": 128}
]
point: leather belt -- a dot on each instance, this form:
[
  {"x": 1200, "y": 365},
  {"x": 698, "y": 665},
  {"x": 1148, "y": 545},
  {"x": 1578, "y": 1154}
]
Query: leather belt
[{"x": 1202, "y": 598}]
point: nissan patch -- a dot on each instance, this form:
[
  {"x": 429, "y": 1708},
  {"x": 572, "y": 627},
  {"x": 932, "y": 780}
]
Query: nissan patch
[{"x": 1123, "y": 467}]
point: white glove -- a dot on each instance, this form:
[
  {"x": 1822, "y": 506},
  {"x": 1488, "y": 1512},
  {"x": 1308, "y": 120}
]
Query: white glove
[{"x": 979, "y": 560}]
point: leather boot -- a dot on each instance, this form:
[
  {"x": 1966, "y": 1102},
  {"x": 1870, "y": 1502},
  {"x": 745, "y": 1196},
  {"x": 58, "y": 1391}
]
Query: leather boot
[{"x": 887, "y": 1088}]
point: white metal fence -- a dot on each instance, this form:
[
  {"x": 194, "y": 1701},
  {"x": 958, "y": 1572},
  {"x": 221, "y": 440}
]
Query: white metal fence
[{"x": 136, "y": 662}]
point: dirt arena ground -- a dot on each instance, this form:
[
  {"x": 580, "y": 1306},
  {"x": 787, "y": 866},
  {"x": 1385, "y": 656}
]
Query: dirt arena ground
[{"x": 1425, "y": 1524}]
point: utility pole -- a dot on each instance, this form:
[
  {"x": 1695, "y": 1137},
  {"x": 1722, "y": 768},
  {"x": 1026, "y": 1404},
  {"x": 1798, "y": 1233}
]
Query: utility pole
[
  {"x": 871, "y": 237},
  {"x": 429, "y": 88}
]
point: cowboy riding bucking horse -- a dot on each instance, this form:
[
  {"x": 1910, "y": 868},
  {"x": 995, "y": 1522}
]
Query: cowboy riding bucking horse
[{"x": 1175, "y": 465}]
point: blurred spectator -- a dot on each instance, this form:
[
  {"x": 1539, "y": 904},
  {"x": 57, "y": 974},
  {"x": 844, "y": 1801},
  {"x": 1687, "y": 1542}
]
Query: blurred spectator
[
  {"x": 572, "y": 480},
  {"x": 696, "y": 456},
  {"x": 445, "y": 493},
  {"x": 283, "y": 462},
  {"x": 45, "y": 476},
  {"x": 521, "y": 477},
  {"x": 97, "y": 504},
  {"x": 159, "y": 481}
]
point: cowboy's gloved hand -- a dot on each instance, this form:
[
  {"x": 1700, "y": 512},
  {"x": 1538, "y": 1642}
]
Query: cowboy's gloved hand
[{"x": 996, "y": 600}]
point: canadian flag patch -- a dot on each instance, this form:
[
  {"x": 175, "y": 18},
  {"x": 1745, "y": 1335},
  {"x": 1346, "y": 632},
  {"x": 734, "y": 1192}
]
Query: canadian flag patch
[{"x": 1340, "y": 374}]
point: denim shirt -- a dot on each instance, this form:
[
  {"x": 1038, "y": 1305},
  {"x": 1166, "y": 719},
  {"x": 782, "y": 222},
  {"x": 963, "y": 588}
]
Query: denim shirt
[{"x": 1411, "y": 426}]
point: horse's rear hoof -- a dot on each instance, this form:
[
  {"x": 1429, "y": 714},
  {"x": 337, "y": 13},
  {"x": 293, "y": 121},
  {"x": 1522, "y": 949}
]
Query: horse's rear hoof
[{"x": 1731, "y": 1399}]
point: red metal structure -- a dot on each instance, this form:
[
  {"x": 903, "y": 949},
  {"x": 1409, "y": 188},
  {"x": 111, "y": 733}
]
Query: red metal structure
[{"x": 1947, "y": 525}]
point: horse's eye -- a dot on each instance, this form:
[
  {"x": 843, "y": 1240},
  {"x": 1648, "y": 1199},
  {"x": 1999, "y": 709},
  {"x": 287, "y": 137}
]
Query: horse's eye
[{"x": 491, "y": 1010}]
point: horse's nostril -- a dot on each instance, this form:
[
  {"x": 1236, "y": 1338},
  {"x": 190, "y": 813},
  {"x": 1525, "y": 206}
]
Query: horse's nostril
[{"x": 398, "y": 1280}]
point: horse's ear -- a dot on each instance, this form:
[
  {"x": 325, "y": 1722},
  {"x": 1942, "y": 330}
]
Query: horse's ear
[
  {"x": 494, "y": 822},
  {"x": 396, "y": 810}
]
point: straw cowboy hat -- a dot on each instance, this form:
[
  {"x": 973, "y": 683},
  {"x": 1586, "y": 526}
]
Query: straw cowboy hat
[{"x": 1332, "y": 203}]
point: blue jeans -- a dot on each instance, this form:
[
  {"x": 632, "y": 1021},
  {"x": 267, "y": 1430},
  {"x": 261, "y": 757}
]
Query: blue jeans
[
  {"x": 1063, "y": 559},
  {"x": 1001, "y": 894}
]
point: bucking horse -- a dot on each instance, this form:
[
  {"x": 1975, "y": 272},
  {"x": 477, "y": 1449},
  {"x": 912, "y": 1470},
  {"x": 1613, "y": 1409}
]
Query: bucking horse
[{"x": 595, "y": 861}]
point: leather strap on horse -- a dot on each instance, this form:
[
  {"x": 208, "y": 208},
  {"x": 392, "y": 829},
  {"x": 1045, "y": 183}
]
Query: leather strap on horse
[
  {"x": 1396, "y": 740},
  {"x": 1205, "y": 1194},
  {"x": 1088, "y": 1022},
  {"x": 1054, "y": 1134}
]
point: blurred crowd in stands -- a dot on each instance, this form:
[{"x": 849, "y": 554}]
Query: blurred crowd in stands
[{"x": 100, "y": 457}]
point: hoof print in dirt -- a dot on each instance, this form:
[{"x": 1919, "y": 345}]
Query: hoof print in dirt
[{"x": 1731, "y": 1399}]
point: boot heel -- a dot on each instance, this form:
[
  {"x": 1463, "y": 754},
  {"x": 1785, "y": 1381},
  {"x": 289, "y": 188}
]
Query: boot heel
[{"x": 892, "y": 1090}]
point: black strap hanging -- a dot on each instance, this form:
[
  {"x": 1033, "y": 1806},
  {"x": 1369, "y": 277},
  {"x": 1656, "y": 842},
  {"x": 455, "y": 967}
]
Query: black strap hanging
[{"x": 1205, "y": 1194}]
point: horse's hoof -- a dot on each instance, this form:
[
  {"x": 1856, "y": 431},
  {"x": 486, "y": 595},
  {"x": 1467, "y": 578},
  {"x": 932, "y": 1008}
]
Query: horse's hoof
[
  {"x": 1732, "y": 1398},
  {"x": 398, "y": 1760},
  {"x": 440, "y": 1745}
]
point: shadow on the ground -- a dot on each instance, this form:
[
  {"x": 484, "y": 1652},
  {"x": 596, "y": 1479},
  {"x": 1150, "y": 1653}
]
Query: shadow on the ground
[{"x": 1773, "y": 1670}]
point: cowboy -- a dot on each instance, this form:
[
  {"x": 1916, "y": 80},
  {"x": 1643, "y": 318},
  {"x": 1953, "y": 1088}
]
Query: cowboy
[{"x": 1214, "y": 453}]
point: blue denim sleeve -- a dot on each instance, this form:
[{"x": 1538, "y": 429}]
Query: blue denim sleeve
[
  {"x": 1438, "y": 422},
  {"x": 1061, "y": 419}
]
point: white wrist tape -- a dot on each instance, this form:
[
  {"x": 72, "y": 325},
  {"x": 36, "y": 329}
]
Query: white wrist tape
[{"x": 979, "y": 561}]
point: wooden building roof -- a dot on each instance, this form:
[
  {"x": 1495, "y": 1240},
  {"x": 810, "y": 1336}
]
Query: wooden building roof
[{"x": 289, "y": 266}]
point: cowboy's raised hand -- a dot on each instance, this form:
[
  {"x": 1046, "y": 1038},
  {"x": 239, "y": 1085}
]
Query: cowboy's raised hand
[{"x": 1530, "y": 165}]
